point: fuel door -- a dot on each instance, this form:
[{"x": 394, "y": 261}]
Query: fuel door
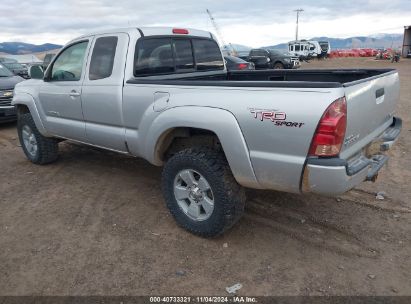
[{"x": 161, "y": 101}]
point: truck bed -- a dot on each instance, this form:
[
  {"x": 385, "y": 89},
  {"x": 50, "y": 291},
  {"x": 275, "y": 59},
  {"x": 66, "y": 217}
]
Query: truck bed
[{"x": 318, "y": 78}]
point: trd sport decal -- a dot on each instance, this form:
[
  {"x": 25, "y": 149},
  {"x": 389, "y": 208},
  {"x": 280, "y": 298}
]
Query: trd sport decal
[{"x": 278, "y": 118}]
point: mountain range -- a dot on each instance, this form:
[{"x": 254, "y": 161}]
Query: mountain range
[
  {"x": 373, "y": 41},
  {"x": 18, "y": 48}
]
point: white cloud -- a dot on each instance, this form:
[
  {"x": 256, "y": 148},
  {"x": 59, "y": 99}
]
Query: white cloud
[{"x": 261, "y": 22}]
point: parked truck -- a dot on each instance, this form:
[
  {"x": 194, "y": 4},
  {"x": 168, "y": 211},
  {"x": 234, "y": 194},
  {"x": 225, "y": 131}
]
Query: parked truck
[
  {"x": 273, "y": 59},
  {"x": 164, "y": 94},
  {"x": 7, "y": 82}
]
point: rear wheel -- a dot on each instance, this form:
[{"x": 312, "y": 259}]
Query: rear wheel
[
  {"x": 201, "y": 192},
  {"x": 278, "y": 66},
  {"x": 37, "y": 148}
]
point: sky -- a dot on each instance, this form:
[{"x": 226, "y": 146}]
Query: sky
[{"x": 252, "y": 23}]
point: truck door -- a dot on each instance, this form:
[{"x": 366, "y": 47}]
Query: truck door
[
  {"x": 102, "y": 91},
  {"x": 60, "y": 93}
]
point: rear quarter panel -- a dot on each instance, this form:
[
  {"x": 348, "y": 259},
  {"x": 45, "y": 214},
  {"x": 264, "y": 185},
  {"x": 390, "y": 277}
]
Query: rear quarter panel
[{"x": 277, "y": 151}]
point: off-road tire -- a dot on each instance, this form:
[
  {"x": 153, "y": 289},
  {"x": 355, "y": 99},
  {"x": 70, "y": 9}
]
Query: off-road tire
[
  {"x": 47, "y": 151},
  {"x": 278, "y": 66},
  {"x": 229, "y": 196}
]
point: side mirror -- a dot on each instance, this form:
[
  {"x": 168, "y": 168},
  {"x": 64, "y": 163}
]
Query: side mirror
[{"x": 36, "y": 72}]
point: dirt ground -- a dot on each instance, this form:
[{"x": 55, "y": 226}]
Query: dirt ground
[{"x": 95, "y": 223}]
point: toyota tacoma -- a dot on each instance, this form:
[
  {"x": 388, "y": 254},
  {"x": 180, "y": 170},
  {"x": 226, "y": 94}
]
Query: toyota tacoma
[{"x": 164, "y": 94}]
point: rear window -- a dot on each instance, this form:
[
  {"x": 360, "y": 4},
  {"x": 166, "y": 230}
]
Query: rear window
[
  {"x": 258, "y": 53},
  {"x": 183, "y": 54},
  {"x": 153, "y": 56},
  {"x": 207, "y": 55},
  {"x": 158, "y": 56}
]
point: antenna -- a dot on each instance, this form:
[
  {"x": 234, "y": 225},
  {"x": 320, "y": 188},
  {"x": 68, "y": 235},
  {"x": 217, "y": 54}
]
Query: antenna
[
  {"x": 220, "y": 36},
  {"x": 298, "y": 16}
]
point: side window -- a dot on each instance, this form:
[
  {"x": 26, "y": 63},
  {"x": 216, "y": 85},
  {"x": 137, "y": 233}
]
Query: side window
[
  {"x": 153, "y": 56},
  {"x": 183, "y": 54},
  {"x": 69, "y": 64},
  {"x": 102, "y": 59},
  {"x": 207, "y": 55}
]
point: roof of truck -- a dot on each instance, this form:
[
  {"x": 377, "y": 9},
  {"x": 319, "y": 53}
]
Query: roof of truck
[{"x": 150, "y": 31}]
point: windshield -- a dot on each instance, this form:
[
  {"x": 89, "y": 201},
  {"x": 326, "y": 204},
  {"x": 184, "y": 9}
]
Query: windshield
[
  {"x": 13, "y": 65},
  {"x": 4, "y": 72},
  {"x": 324, "y": 45},
  {"x": 279, "y": 52}
]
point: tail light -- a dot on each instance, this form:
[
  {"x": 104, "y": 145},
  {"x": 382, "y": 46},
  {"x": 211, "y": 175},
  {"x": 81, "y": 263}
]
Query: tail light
[
  {"x": 180, "y": 31},
  {"x": 329, "y": 136},
  {"x": 242, "y": 66}
]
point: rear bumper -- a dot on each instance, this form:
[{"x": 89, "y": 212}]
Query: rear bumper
[
  {"x": 8, "y": 113},
  {"x": 333, "y": 176}
]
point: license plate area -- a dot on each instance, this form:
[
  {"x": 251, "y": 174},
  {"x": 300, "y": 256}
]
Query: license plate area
[
  {"x": 373, "y": 148},
  {"x": 10, "y": 112}
]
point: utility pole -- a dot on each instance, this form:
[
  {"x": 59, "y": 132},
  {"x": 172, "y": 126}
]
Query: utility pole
[{"x": 298, "y": 15}]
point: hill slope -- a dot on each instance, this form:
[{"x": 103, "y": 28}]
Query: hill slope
[
  {"x": 374, "y": 41},
  {"x": 16, "y": 48}
]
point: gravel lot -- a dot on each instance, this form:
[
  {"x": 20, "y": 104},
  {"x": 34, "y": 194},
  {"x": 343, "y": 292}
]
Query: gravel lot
[{"x": 95, "y": 223}]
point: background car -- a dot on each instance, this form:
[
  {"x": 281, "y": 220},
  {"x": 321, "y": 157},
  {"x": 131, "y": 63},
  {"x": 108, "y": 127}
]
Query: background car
[
  {"x": 235, "y": 64},
  {"x": 273, "y": 59},
  {"x": 7, "y": 82},
  {"x": 16, "y": 68}
]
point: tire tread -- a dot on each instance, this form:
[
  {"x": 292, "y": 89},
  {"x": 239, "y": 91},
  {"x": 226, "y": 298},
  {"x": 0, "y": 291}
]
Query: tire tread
[
  {"x": 47, "y": 147},
  {"x": 233, "y": 195}
]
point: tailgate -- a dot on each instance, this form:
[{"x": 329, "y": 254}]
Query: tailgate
[{"x": 371, "y": 103}]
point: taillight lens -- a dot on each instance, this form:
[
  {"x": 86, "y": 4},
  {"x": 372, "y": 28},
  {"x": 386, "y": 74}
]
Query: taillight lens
[
  {"x": 242, "y": 66},
  {"x": 180, "y": 31},
  {"x": 329, "y": 136}
]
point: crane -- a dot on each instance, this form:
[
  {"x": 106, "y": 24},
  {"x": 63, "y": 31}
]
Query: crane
[{"x": 220, "y": 36}]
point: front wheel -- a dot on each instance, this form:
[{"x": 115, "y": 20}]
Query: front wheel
[
  {"x": 201, "y": 192},
  {"x": 37, "y": 148},
  {"x": 278, "y": 66}
]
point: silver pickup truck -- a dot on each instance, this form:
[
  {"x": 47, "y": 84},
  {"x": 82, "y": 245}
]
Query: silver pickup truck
[{"x": 164, "y": 94}]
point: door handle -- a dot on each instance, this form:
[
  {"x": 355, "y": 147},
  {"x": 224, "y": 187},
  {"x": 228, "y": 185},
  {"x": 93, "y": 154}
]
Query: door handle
[{"x": 74, "y": 93}]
